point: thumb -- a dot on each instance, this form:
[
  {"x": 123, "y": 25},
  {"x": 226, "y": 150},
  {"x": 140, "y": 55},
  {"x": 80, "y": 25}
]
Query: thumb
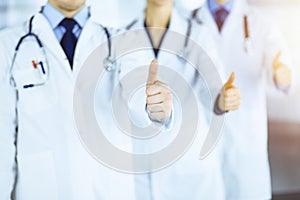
[
  {"x": 230, "y": 81},
  {"x": 153, "y": 69},
  {"x": 276, "y": 60}
]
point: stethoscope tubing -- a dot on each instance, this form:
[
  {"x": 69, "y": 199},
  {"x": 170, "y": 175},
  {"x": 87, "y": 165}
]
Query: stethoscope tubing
[{"x": 108, "y": 63}]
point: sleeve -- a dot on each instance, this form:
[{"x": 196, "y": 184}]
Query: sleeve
[
  {"x": 204, "y": 38},
  {"x": 8, "y": 125},
  {"x": 167, "y": 123},
  {"x": 213, "y": 70}
]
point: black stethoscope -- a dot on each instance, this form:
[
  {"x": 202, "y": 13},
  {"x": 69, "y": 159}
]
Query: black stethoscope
[
  {"x": 182, "y": 54},
  {"x": 247, "y": 39},
  {"x": 42, "y": 65}
]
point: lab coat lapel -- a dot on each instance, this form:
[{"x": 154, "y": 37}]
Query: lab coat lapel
[
  {"x": 234, "y": 18},
  {"x": 207, "y": 18},
  {"x": 140, "y": 22},
  {"x": 42, "y": 28},
  {"x": 177, "y": 32},
  {"x": 148, "y": 55},
  {"x": 88, "y": 40},
  {"x": 177, "y": 23}
]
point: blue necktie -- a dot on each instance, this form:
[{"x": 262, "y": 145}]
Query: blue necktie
[
  {"x": 69, "y": 40},
  {"x": 220, "y": 17}
]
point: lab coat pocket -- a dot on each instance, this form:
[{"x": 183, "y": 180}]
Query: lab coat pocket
[
  {"x": 34, "y": 99},
  {"x": 36, "y": 177}
]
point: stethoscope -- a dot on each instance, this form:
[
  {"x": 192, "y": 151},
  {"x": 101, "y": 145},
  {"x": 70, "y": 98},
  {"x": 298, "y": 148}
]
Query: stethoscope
[
  {"x": 181, "y": 54},
  {"x": 42, "y": 66},
  {"x": 247, "y": 38},
  {"x": 184, "y": 53}
]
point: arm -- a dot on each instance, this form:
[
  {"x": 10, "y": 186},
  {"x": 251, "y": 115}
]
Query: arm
[
  {"x": 276, "y": 58},
  {"x": 228, "y": 96}
]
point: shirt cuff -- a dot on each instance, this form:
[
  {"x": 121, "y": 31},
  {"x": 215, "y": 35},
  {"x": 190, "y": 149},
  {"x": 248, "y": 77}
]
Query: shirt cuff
[
  {"x": 284, "y": 89},
  {"x": 167, "y": 123}
]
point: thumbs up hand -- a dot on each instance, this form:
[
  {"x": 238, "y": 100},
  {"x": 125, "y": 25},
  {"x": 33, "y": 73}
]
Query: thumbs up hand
[
  {"x": 159, "y": 96},
  {"x": 230, "y": 97},
  {"x": 282, "y": 74}
]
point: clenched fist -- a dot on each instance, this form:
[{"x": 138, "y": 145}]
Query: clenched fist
[
  {"x": 282, "y": 74},
  {"x": 159, "y": 96},
  {"x": 230, "y": 97}
]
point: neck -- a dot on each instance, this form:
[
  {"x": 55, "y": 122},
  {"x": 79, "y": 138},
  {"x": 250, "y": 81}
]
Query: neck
[
  {"x": 68, "y": 13},
  {"x": 158, "y": 16}
]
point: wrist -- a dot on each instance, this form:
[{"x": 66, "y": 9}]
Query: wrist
[{"x": 217, "y": 108}]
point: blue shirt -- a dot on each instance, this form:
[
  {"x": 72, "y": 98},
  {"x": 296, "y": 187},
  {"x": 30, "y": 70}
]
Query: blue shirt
[
  {"x": 54, "y": 17},
  {"x": 213, "y": 6}
]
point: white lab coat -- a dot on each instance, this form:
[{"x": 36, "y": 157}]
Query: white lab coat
[
  {"x": 189, "y": 177},
  {"x": 51, "y": 162},
  {"x": 245, "y": 154}
]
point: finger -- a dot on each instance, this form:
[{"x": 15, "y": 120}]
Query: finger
[
  {"x": 279, "y": 66},
  {"x": 232, "y": 103},
  {"x": 230, "y": 81},
  {"x": 157, "y": 82},
  {"x": 282, "y": 69},
  {"x": 229, "y": 105},
  {"x": 277, "y": 57},
  {"x": 160, "y": 116},
  {"x": 152, "y": 108},
  {"x": 159, "y": 98},
  {"x": 284, "y": 80},
  {"x": 232, "y": 99},
  {"x": 277, "y": 60},
  {"x": 165, "y": 106},
  {"x": 156, "y": 89},
  {"x": 234, "y": 108},
  {"x": 284, "y": 75},
  {"x": 232, "y": 92},
  {"x": 153, "y": 69},
  {"x": 155, "y": 99}
]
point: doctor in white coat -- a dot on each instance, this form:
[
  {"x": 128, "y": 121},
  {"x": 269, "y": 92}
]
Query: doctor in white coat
[
  {"x": 189, "y": 177},
  {"x": 252, "y": 47},
  {"x": 41, "y": 155}
]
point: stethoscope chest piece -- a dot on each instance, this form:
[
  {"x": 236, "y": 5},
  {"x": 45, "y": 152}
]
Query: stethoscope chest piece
[{"x": 108, "y": 63}]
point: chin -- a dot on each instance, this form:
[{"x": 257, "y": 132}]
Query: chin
[
  {"x": 160, "y": 2},
  {"x": 71, "y": 5},
  {"x": 222, "y": 2}
]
